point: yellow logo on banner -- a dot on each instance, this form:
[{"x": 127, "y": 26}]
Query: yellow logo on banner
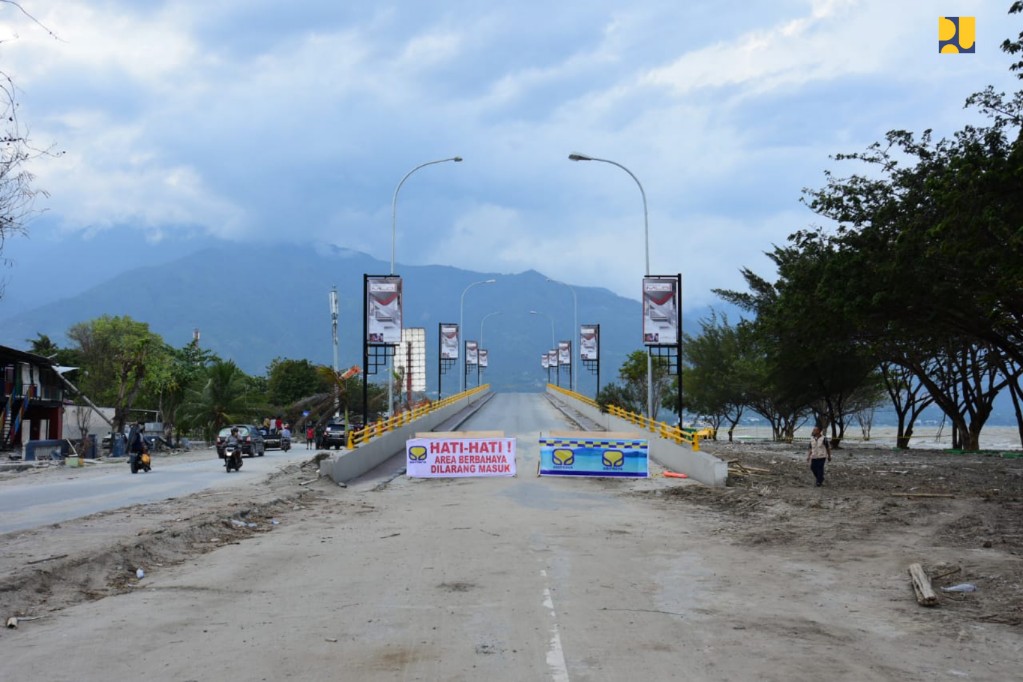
[
  {"x": 957, "y": 35},
  {"x": 564, "y": 457},
  {"x": 417, "y": 453},
  {"x": 613, "y": 458}
]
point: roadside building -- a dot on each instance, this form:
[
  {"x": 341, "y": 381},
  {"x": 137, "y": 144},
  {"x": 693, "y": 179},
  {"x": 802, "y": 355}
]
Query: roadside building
[{"x": 31, "y": 399}]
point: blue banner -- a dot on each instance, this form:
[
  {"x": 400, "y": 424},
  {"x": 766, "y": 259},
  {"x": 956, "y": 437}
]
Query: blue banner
[{"x": 618, "y": 458}]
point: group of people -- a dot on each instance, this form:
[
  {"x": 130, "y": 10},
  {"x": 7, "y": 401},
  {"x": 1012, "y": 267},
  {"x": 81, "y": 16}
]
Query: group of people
[{"x": 274, "y": 425}]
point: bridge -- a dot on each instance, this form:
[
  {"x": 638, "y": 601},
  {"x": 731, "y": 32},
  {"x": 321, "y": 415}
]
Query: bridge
[{"x": 676, "y": 449}]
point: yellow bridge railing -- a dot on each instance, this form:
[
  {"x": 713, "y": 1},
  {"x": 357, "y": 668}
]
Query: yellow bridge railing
[
  {"x": 378, "y": 428},
  {"x": 676, "y": 434}
]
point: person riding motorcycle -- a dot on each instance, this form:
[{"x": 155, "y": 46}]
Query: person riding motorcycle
[
  {"x": 286, "y": 438},
  {"x": 138, "y": 450},
  {"x": 233, "y": 442}
]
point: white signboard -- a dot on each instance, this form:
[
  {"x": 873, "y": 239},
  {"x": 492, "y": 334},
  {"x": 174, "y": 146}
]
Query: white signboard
[
  {"x": 564, "y": 353},
  {"x": 410, "y": 358},
  {"x": 660, "y": 311},
  {"x": 588, "y": 342},
  {"x": 471, "y": 352},
  {"x": 552, "y": 358},
  {"x": 544, "y": 361},
  {"x": 383, "y": 310},
  {"x": 483, "y": 357},
  {"x": 449, "y": 341},
  {"x": 459, "y": 457}
]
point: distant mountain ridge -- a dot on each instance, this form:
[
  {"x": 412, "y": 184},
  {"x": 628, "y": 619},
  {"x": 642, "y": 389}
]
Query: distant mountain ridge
[{"x": 252, "y": 304}]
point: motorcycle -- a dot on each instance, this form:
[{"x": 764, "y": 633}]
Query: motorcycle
[
  {"x": 140, "y": 460},
  {"x": 231, "y": 453},
  {"x": 285, "y": 443}
]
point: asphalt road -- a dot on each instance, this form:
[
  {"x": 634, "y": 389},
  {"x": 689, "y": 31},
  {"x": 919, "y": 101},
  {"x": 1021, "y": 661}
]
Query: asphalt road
[{"x": 34, "y": 503}]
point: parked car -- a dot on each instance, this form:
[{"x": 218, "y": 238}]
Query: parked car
[
  {"x": 271, "y": 439},
  {"x": 249, "y": 435},
  {"x": 334, "y": 436}
]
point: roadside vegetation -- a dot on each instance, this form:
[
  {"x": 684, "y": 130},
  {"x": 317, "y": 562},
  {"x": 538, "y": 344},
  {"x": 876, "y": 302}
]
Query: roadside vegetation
[{"x": 911, "y": 296}]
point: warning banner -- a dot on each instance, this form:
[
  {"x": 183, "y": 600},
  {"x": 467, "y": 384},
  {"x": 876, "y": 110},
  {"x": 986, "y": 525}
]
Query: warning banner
[
  {"x": 582, "y": 456},
  {"x": 456, "y": 456}
]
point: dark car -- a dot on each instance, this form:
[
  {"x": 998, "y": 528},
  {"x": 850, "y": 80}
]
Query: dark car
[
  {"x": 248, "y": 434},
  {"x": 334, "y": 436},
  {"x": 271, "y": 439}
]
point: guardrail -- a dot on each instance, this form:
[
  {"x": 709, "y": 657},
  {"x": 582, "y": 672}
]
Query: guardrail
[
  {"x": 677, "y": 435},
  {"x": 378, "y": 428}
]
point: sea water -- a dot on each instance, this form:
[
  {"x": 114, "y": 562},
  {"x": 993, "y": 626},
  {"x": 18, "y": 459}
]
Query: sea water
[{"x": 925, "y": 437}]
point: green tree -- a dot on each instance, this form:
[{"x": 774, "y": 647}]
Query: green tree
[
  {"x": 170, "y": 382},
  {"x": 117, "y": 354},
  {"x": 289, "y": 381},
  {"x": 224, "y": 396},
  {"x": 717, "y": 372}
]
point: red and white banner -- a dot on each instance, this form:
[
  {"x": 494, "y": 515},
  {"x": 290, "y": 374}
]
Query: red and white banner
[
  {"x": 460, "y": 457},
  {"x": 449, "y": 341}
]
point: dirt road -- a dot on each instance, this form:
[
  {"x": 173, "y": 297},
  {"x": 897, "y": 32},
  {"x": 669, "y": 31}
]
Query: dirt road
[{"x": 525, "y": 578}]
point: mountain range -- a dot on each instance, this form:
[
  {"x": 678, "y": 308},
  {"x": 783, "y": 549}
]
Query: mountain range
[{"x": 252, "y": 304}]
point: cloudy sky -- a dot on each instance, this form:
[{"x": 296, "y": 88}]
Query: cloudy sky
[{"x": 183, "y": 122}]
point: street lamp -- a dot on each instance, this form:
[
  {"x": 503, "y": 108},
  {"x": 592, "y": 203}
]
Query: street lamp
[
  {"x": 394, "y": 232},
  {"x": 575, "y": 327},
  {"x": 478, "y": 371},
  {"x": 554, "y": 343},
  {"x": 394, "y": 201},
  {"x": 485, "y": 318},
  {"x": 576, "y": 156},
  {"x": 461, "y": 326}
]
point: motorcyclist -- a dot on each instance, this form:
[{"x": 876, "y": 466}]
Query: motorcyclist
[
  {"x": 286, "y": 437},
  {"x": 137, "y": 439},
  {"x": 234, "y": 444}
]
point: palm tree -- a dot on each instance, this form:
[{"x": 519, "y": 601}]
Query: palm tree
[{"x": 225, "y": 397}]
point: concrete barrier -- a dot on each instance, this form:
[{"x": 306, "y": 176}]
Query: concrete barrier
[
  {"x": 699, "y": 466},
  {"x": 345, "y": 466}
]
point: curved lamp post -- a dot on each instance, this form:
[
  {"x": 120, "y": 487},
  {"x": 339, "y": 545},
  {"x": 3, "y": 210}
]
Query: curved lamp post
[
  {"x": 394, "y": 201},
  {"x": 575, "y": 329},
  {"x": 485, "y": 318},
  {"x": 461, "y": 327},
  {"x": 478, "y": 368},
  {"x": 576, "y": 156},
  {"x": 554, "y": 342},
  {"x": 394, "y": 233}
]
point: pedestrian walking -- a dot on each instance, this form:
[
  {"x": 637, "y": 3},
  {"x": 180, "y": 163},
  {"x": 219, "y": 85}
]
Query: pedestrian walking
[
  {"x": 310, "y": 436},
  {"x": 820, "y": 450}
]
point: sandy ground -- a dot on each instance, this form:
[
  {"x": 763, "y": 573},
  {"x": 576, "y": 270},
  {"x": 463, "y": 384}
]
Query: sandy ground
[{"x": 768, "y": 578}]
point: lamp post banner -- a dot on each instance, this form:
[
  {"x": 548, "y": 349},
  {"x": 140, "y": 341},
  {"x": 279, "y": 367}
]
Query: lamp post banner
[
  {"x": 471, "y": 352},
  {"x": 445, "y": 457},
  {"x": 483, "y": 357},
  {"x": 383, "y": 310},
  {"x": 552, "y": 358},
  {"x": 588, "y": 342},
  {"x": 544, "y": 361},
  {"x": 449, "y": 341},
  {"x": 564, "y": 353},
  {"x": 660, "y": 310}
]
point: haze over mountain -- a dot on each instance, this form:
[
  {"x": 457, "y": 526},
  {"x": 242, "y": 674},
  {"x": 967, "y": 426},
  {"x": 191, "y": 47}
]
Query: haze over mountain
[{"x": 252, "y": 304}]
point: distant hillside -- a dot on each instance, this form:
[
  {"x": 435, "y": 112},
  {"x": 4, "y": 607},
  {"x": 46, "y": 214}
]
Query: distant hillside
[{"x": 252, "y": 304}]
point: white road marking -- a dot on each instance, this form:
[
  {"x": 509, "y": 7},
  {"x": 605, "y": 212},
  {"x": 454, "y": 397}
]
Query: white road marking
[{"x": 555, "y": 654}]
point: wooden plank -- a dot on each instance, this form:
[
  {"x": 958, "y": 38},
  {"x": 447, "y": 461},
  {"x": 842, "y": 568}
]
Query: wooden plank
[{"x": 925, "y": 595}]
